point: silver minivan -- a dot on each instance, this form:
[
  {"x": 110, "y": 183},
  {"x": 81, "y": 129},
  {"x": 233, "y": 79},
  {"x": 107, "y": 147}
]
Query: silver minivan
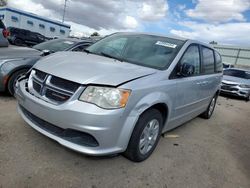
[{"x": 121, "y": 94}]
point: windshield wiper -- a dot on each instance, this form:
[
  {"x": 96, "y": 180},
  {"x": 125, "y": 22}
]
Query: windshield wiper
[
  {"x": 110, "y": 56},
  {"x": 87, "y": 51}
]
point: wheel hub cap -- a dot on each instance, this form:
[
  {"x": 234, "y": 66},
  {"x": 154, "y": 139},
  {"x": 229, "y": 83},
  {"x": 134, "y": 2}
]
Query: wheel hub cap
[{"x": 149, "y": 136}]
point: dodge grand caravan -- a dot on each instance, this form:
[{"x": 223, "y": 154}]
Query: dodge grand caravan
[{"x": 122, "y": 94}]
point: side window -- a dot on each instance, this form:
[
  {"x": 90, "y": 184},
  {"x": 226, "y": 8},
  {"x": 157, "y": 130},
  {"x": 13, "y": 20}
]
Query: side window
[
  {"x": 192, "y": 57},
  {"x": 208, "y": 60},
  {"x": 218, "y": 62}
]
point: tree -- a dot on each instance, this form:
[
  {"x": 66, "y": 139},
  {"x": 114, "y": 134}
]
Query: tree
[
  {"x": 3, "y": 3},
  {"x": 95, "y": 34},
  {"x": 213, "y": 42}
]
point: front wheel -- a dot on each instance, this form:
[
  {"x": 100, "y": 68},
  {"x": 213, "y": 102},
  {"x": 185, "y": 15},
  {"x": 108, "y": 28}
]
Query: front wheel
[
  {"x": 145, "y": 136},
  {"x": 210, "y": 109},
  {"x": 13, "y": 79},
  {"x": 248, "y": 98}
]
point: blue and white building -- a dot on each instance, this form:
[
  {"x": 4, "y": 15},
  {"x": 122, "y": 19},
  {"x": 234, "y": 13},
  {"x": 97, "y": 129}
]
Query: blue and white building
[{"x": 25, "y": 20}]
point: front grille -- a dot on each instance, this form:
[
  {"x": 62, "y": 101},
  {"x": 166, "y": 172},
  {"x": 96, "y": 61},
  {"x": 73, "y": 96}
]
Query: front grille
[
  {"x": 228, "y": 88},
  {"x": 70, "y": 135},
  {"x": 51, "y": 88}
]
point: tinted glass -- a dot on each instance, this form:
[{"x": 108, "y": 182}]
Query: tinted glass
[
  {"x": 208, "y": 60},
  {"x": 218, "y": 62},
  {"x": 55, "y": 45},
  {"x": 192, "y": 57},
  {"x": 80, "y": 48},
  {"x": 2, "y": 25},
  {"x": 145, "y": 50},
  {"x": 237, "y": 73}
]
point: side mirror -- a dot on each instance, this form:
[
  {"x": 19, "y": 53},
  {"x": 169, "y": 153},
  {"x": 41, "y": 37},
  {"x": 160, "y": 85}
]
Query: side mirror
[
  {"x": 187, "y": 69},
  {"x": 46, "y": 52}
]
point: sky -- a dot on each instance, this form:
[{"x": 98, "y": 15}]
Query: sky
[{"x": 223, "y": 21}]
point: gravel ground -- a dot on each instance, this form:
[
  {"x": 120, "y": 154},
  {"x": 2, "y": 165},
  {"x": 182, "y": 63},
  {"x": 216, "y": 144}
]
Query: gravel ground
[{"x": 207, "y": 153}]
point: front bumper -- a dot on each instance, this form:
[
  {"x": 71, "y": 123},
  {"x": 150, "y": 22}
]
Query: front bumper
[
  {"x": 110, "y": 128},
  {"x": 235, "y": 90}
]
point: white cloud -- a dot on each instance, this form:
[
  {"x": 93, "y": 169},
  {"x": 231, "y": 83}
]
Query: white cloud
[
  {"x": 219, "y": 10},
  {"x": 153, "y": 10},
  {"x": 130, "y": 22},
  {"x": 228, "y": 33}
]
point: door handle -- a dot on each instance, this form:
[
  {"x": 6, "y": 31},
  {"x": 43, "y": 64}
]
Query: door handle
[{"x": 202, "y": 83}]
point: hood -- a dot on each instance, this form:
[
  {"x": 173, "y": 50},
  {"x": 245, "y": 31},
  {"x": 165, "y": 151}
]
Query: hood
[
  {"x": 86, "y": 68},
  {"x": 18, "y": 52},
  {"x": 235, "y": 80}
]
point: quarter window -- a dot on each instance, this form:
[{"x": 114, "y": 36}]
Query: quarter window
[
  {"x": 208, "y": 60},
  {"x": 192, "y": 57},
  {"x": 218, "y": 62}
]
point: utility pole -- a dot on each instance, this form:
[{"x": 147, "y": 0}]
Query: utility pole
[{"x": 64, "y": 9}]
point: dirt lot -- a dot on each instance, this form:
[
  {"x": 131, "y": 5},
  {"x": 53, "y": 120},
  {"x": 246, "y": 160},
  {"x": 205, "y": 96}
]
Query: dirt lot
[{"x": 208, "y": 153}]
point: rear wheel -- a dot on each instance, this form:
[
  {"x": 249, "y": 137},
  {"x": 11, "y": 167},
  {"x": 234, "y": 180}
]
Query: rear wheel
[
  {"x": 145, "y": 136},
  {"x": 210, "y": 109},
  {"x": 13, "y": 79},
  {"x": 18, "y": 42}
]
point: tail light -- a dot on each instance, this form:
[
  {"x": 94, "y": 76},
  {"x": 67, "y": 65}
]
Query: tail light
[{"x": 6, "y": 33}]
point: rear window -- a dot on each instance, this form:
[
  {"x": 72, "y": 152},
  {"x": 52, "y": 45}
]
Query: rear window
[
  {"x": 55, "y": 45},
  {"x": 208, "y": 60},
  {"x": 2, "y": 25}
]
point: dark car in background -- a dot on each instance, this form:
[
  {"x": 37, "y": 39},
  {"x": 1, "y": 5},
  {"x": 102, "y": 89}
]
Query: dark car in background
[
  {"x": 236, "y": 82},
  {"x": 16, "y": 61},
  {"x": 23, "y": 37},
  {"x": 4, "y": 33}
]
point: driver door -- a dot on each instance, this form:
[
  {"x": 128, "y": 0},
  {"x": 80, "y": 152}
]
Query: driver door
[{"x": 188, "y": 96}]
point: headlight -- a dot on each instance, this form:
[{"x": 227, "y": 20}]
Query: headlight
[
  {"x": 245, "y": 86},
  {"x": 106, "y": 97}
]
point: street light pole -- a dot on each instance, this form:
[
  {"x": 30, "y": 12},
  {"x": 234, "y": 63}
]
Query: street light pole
[{"x": 64, "y": 9}]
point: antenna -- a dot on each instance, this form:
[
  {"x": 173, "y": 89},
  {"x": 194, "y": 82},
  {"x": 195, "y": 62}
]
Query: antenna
[{"x": 64, "y": 10}]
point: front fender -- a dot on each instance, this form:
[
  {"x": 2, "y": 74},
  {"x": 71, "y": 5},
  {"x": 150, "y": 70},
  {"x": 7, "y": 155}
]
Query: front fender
[
  {"x": 9, "y": 67},
  {"x": 150, "y": 100},
  {"x": 141, "y": 106}
]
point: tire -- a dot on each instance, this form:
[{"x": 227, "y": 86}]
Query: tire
[
  {"x": 248, "y": 98},
  {"x": 210, "y": 109},
  {"x": 13, "y": 79},
  {"x": 18, "y": 42},
  {"x": 136, "y": 152}
]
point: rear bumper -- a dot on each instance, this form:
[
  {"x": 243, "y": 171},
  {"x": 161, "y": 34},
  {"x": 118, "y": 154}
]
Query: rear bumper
[{"x": 110, "y": 128}]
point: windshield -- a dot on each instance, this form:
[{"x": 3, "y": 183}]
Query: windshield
[
  {"x": 55, "y": 45},
  {"x": 237, "y": 73},
  {"x": 145, "y": 50}
]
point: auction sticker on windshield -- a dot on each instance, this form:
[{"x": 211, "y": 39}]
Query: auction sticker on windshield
[{"x": 166, "y": 44}]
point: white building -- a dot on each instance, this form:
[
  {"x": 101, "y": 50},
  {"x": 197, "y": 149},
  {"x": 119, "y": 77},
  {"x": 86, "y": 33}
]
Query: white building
[{"x": 25, "y": 20}]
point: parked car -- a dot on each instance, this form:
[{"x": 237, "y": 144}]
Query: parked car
[
  {"x": 227, "y": 66},
  {"x": 3, "y": 35},
  {"x": 122, "y": 94},
  {"x": 16, "y": 61},
  {"x": 236, "y": 82},
  {"x": 23, "y": 37}
]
